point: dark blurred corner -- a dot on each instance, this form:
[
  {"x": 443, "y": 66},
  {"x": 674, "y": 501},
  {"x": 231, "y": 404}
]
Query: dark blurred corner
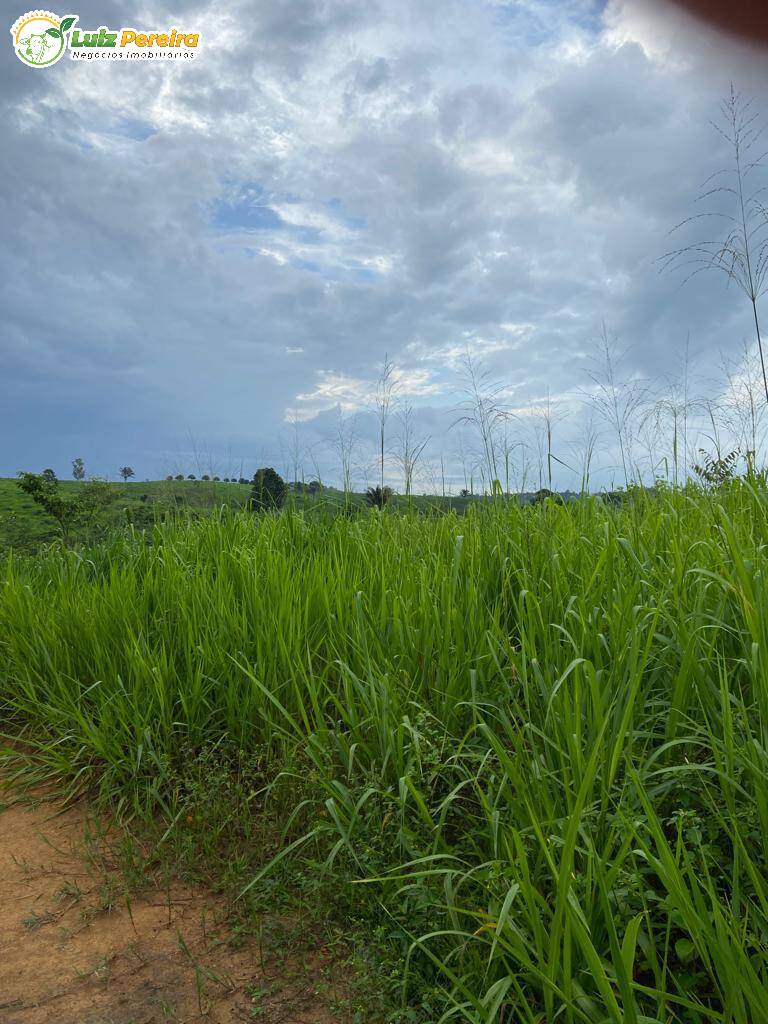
[{"x": 746, "y": 19}]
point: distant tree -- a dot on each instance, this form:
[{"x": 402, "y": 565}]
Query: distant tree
[
  {"x": 242, "y": 480},
  {"x": 191, "y": 476},
  {"x": 314, "y": 487},
  {"x": 205, "y": 476},
  {"x": 92, "y": 499},
  {"x": 378, "y": 497},
  {"x": 216, "y": 479},
  {"x": 43, "y": 489},
  {"x": 179, "y": 476},
  {"x": 78, "y": 469},
  {"x": 464, "y": 492},
  {"x": 169, "y": 477},
  {"x": 126, "y": 472},
  {"x": 268, "y": 490},
  {"x": 543, "y": 493}
]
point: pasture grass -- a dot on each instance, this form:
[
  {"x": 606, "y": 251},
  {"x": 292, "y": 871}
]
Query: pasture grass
[
  {"x": 522, "y": 751},
  {"x": 25, "y": 527}
]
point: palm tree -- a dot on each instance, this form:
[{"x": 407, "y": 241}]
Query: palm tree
[{"x": 378, "y": 497}]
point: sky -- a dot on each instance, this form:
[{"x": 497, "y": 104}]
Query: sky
[{"x": 203, "y": 264}]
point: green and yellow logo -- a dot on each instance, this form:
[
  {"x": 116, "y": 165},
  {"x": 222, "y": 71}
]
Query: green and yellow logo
[{"x": 40, "y": 38}]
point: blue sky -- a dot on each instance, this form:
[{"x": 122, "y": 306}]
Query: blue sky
[{"x": 203, "y": 266}]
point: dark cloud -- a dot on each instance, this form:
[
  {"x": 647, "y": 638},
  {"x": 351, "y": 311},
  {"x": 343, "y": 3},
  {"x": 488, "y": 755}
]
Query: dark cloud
[{"x": 189, "y": 249}]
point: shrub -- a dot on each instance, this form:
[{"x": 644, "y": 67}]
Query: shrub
[
  {"x": 717, "y": 470},
  {"x": 268, "y": 490},
  {"x": 82, "y": 510},
  {"x": 543, "y": 493},
  {"x": 378, "y": 497}
]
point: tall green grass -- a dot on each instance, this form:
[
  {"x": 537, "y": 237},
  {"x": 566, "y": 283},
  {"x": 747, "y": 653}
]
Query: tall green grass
[{"x": 532, "y": 740}]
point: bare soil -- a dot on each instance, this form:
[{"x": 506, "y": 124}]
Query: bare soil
[{"x": 74, "y": 949}]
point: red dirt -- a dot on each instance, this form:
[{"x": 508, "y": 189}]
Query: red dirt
[{"x": 75, "y": 951}]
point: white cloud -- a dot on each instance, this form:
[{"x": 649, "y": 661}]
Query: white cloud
[{"x": 498, "y": 175}]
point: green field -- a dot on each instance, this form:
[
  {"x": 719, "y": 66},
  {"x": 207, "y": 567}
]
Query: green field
[
  {"x": 520, "y": 754},
  {"x": 25, "y": 527}
]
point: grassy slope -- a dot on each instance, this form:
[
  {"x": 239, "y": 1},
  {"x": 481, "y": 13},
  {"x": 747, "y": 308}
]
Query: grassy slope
[
  {"x": 24, "y": 527},
  {"x": 539, "y": 735}
]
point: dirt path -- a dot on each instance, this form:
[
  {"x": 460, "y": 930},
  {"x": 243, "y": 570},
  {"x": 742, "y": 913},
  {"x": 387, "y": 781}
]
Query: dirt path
[{"x": 75, "y": 951}]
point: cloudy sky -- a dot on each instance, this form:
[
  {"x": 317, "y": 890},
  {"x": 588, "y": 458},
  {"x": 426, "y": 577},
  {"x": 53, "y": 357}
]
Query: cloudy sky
[{"x": 195, "y": 254}]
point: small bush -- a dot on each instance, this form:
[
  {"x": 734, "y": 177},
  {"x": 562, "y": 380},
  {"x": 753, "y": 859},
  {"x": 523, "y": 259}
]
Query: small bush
[
  {"x": 268, "y": 490},
  {"x": 378, "y": 497}
]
